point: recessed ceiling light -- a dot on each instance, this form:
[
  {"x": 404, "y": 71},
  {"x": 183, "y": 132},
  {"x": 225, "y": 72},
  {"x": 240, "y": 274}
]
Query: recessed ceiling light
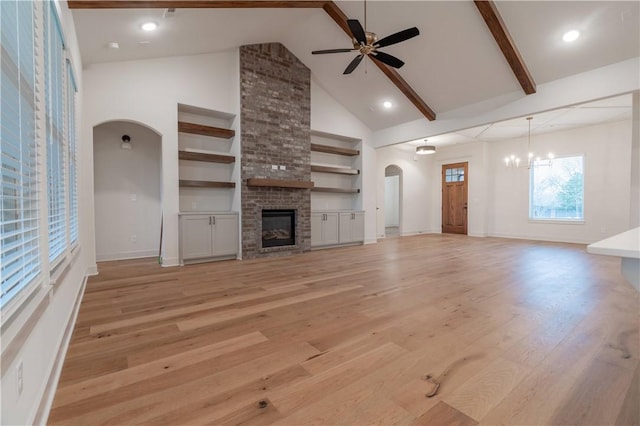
[
  {"x": 570, "y": 36},
  {"x": 387, "y": 104},
  {"x": 149, "y": 26},
  {"x": 113, "y": 45}
]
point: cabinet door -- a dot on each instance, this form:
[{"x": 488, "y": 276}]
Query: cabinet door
[
  {"x": 225, "y": 235},
  {"x": 345, "y": 226},
  {"x": 357, "y": 227},
  {"x": 330, "y": 229},
  {"x": 316, "y": 229},
  {"x": 196, "y": 237}
]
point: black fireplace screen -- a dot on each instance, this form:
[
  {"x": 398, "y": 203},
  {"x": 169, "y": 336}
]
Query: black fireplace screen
[{"x": 278, "y": 228}]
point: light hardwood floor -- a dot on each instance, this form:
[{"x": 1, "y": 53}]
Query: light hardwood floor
[{"x": 514, "y": 332}]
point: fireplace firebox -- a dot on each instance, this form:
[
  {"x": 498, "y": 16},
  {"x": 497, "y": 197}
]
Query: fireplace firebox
[{"x": 278, "y": 228}]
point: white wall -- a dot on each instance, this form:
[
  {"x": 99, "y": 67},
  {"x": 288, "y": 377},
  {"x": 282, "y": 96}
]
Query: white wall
[
  {"x": 127, "y": 191},
  {"x": 391, "y": 201},
  {"x": 477, "y": 180},
  {"x": 36, "y": 335},
  {"x": 148, "y": 92},
  {"x": 499, "y": 197},
  {"x": 329, "y": 116},
  {"x": 416, "y": 182},
  {"x": 606, "y": 149}
]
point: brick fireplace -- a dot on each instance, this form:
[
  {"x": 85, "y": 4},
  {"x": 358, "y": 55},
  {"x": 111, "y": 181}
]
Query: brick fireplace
[{"x": 275, "y": 114}]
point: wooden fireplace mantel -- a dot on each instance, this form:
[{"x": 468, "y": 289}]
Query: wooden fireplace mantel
[{"x": 276, "y": 183}]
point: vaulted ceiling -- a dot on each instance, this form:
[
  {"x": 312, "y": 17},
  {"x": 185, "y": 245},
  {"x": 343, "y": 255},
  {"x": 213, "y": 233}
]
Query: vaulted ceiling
[{"x": 455, "y": 61}]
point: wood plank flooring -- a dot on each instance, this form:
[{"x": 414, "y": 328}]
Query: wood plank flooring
[{"x": 507, "y": 331}]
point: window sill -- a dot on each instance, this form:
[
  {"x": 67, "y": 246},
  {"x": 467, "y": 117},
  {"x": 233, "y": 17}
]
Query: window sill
[{"x": 557, "y": 221}]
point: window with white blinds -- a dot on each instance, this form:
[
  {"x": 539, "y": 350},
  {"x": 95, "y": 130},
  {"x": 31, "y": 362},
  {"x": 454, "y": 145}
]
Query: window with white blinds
[
  {"x": 73, "y": 154},
  {"x": 54, "y": 101},
  {"x": 19, "y": 241}
]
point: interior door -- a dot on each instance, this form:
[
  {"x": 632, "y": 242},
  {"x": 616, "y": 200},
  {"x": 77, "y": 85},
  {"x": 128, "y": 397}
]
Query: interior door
[{"x": 454, "y": 198}]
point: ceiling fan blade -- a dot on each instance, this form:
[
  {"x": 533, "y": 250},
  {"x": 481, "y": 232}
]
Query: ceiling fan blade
[
  {"x": 353, "y": 64},
  {"x": 398, "y": 37},
  {"x": 357, "y": 31},
  {"x": 321, "y": 52},
  {"x": 387, "y": 59}
]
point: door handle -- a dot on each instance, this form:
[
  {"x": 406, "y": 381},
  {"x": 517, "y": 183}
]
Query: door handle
[
  {"x": 209, "y": 220},
  {"x": 214, "y": 220}
]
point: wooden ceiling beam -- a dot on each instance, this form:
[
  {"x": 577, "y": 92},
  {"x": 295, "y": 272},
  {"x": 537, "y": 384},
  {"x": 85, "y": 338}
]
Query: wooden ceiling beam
[
  {"x": 192, "y": 4},
  {"x": 329, "y": 7},
  {"x": 496, "y": 25},
  {"x": 340, "y": 18}
]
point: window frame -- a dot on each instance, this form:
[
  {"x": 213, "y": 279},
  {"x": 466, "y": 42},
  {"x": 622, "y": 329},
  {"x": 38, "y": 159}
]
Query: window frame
[{"x": 563, "y": 221}]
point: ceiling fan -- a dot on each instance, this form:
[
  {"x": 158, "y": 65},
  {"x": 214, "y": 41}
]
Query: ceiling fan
[{"x": 367, "y": 43}]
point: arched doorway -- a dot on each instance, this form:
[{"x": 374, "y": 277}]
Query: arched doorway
[
  {"x": 392, "y": 201},
  {"x": 127, "y": 164}
]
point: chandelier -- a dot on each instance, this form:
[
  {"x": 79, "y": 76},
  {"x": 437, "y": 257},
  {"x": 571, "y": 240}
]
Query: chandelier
[{"x": 532, "y": 160}]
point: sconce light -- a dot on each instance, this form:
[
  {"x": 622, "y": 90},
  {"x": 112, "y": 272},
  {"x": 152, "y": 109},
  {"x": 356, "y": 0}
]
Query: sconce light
[{"x": 126, "y": 142}]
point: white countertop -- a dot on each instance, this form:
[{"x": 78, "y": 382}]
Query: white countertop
[{"x": 626, "y": 244}]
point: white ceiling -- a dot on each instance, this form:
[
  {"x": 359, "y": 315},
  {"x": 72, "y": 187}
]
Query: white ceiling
[
  {"x": 454, "y": 62},
  {"x": 606, "y": 110}
]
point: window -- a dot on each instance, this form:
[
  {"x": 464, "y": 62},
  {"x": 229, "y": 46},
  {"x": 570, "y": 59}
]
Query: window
[
  {"x": 73, "y": 156},
  {"x": 54, "y": 100},
  {"x": 454, "y": 175},
  {"x": 19, "y": 241},
  {"x": 557, "y": 189}
]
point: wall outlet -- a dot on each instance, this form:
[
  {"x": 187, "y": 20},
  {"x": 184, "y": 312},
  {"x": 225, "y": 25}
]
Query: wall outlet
[
  {"x": 603, "y": 230},
  {"x": 134, "y": 197},
  {"x": 134, "y": 238},
  {"x": 274, "y": 167},
  {"x": 20, "y": 374},
  {"x": 283, "y": 167}
]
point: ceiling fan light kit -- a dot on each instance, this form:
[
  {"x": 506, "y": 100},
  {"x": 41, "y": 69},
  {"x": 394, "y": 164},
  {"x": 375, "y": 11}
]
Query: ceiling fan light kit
[{"x": 367, "y": 44}]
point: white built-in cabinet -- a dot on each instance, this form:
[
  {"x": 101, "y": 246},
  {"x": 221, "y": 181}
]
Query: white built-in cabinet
[
  {"x": 208, "y": 236},
  {"x": 351, "y": 227},
  {"x": 324, "y": 228},
  {"x": 331, "y": 228},
  {"x": 207, "y": 150}
]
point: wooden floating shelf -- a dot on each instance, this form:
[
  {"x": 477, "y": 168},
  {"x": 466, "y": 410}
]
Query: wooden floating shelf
[
  {"x": 335, "y": 190},
  {"x": 206, "y": 184},
  {"x": 334, "y": 150},
  {"x": 275, "y": 183},
  {"x": 199, "y": 129},
  {"x": 210, "y": 158},
  {"x": 337, "y": 170}
]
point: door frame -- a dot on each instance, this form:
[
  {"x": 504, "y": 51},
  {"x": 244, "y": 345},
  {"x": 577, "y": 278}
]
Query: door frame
[{"x": 444, "y": 167}]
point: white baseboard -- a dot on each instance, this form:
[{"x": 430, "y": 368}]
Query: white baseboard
[
  {"x": 92, "y": 270},
  {"x": 169, "y": 262},
  {"x": 42, "y": 414},
  {"x": 126, "y": 255},
  {"x": 539, "y": 238}
]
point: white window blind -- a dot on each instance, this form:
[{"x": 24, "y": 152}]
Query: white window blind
[
  {"x": 73, "y": 155},
  {"x": 54, "y": 100},
  {"x": 19, "y": 247}
]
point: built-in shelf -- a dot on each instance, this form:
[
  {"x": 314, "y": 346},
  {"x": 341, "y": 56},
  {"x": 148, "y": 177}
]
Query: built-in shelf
[
  {"x": 276, "y": 183},
  {"x": 328, "y": 149},
  {"x": 209, "y": 158},
  {"x": 337, "y": 170},
  {"x": 335, "y": 190},
  {"x": 205, "y": 184},
  {"x": 199, "y": 129}
]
